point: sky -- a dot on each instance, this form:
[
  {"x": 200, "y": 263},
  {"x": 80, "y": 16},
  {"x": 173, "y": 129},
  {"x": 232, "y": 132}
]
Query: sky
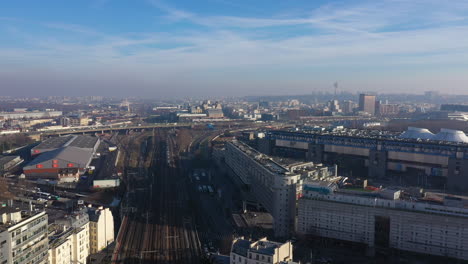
[{"x": 182, "y": 48}]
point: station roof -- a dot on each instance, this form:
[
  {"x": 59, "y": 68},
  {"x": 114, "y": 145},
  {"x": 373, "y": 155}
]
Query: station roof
[{"x": 416, "y": 132}]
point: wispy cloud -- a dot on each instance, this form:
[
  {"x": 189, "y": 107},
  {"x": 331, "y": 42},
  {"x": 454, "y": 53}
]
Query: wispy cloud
[{"x": 341, "y": 40}]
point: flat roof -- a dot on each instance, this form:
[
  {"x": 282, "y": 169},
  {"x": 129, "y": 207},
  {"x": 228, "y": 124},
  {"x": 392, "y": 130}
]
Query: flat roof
[
  {"x": 84, "y": 142},
  {"x": 79, "y": 141},
  {"x": 53, "y": 142}
]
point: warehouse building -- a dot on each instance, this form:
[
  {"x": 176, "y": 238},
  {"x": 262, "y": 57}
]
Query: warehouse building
[
  {"x": 65, "y": 164},
  {"x": 435, "y": 224},
  {"x": 275, "y": 186},
  {"x": 417, "y": 156},
  {"x": 81, "y": 141},
  {"x": 62, "y": 158}
]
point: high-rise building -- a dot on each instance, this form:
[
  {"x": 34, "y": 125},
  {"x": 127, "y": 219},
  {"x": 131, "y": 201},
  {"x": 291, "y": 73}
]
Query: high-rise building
[
  {"x": 23, "y": 237},
  {"x": 367, "y": 103}
]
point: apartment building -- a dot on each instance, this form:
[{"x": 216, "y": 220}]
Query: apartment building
[
  {"x": 434, "y": 224},
  {"x": 274, "y": 185},
  {"x": 70, "y": 239},
  {"x": 23, "y": 236},
  {"x": 101, "y": 226},
  {"x": 262, "y": 251}
]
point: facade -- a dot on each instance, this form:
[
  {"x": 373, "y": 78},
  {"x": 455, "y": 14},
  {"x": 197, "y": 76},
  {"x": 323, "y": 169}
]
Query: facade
[
  {"x": 23, "y": 237},
  {"x": 454, "y": 107},
  {"x": 417, "y": 155},
  {"x": 274, "y": 186},
  {"x": 70, "y": 239},
  {"x": 20, "y": 115},
  {"x": 9, "y": 162},
  {"x": 384, "y": 219},
  {"x": 101, "y": 228},
  {"x": 262, "y": 251},
  {"x": 367, "y": 103},
  {"x": 215, "y": 113},
  {"x": 388, "y": 109}
]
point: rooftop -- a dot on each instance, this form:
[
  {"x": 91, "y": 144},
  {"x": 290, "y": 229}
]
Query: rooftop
[
  {"x": 53, "y": 142},
  {"x": 78, "y": 156},
  {"x": 80, "y": 141},
  {"x": 275, "y": 164},
  {"x": 412, "y": 135},
  {"x": 84, "y": 142},
  {"x": 392, "y": 197}
]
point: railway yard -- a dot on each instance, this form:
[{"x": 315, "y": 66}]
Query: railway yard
[{"x": 157, "y": 217}]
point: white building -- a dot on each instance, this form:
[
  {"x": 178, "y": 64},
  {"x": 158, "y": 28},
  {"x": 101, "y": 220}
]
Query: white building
[
  {"x": 261, "y": 251},
  {"x": 382, "y": 219},
  {"x": 23, "y": 237},
  {"x": 101, "y": 228},
  {"x": 69, "y": 242},
  {"x": 274, "y": 186}
]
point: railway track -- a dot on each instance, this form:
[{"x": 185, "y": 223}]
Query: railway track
[{"x": 162, "y": 230}]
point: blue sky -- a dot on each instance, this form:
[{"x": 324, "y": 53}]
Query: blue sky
[{"x": 161, "y": 48}]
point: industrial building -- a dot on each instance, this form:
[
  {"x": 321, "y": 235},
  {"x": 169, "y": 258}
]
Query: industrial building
[
  {"x": 434, "y": 224},
  {"x": 415, "y": 156},
  {"x": 275, "y": 186},
  {"x": 62, "y": 158},
  {"x": 23, "y": 237},
  {"x": 81, "y": 141},
  {"x": 65, "y": 164},
  {"x": 261, "y": 251}
]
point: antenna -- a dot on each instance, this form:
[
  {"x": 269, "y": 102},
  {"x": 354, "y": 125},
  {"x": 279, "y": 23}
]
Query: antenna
[{"x": 336, "y": 87}]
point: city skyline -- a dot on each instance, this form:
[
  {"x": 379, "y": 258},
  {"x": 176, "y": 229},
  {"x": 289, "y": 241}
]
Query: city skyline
[{"x": 218, "y": 47}]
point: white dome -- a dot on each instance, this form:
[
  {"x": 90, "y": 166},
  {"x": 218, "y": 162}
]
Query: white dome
[
  {"x": 451, "y": 135},
  {"x": 416, "y": 132}
]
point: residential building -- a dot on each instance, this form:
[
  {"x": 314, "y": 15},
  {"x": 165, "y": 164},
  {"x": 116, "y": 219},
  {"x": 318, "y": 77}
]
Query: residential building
[
  {"x": 23, "y": 236},
  {"x": 70, "y": 239},
  {"x": 275, "y": 186},
  {"x": 390, "y": 218},
  {"x": 262, "y": 251},
  {"x": 101, "y": 228}
]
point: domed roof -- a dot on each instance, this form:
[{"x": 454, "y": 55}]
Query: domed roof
[
  {"x": 451, "y": 135},
  {"x": 416, "y": 132}
]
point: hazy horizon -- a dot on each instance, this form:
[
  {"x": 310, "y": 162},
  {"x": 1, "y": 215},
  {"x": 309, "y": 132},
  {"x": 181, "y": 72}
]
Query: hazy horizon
[{"x": 176, "y": 49}]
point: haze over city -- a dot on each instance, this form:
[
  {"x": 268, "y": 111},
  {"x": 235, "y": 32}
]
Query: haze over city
[{"x": 174, "y": 49}]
